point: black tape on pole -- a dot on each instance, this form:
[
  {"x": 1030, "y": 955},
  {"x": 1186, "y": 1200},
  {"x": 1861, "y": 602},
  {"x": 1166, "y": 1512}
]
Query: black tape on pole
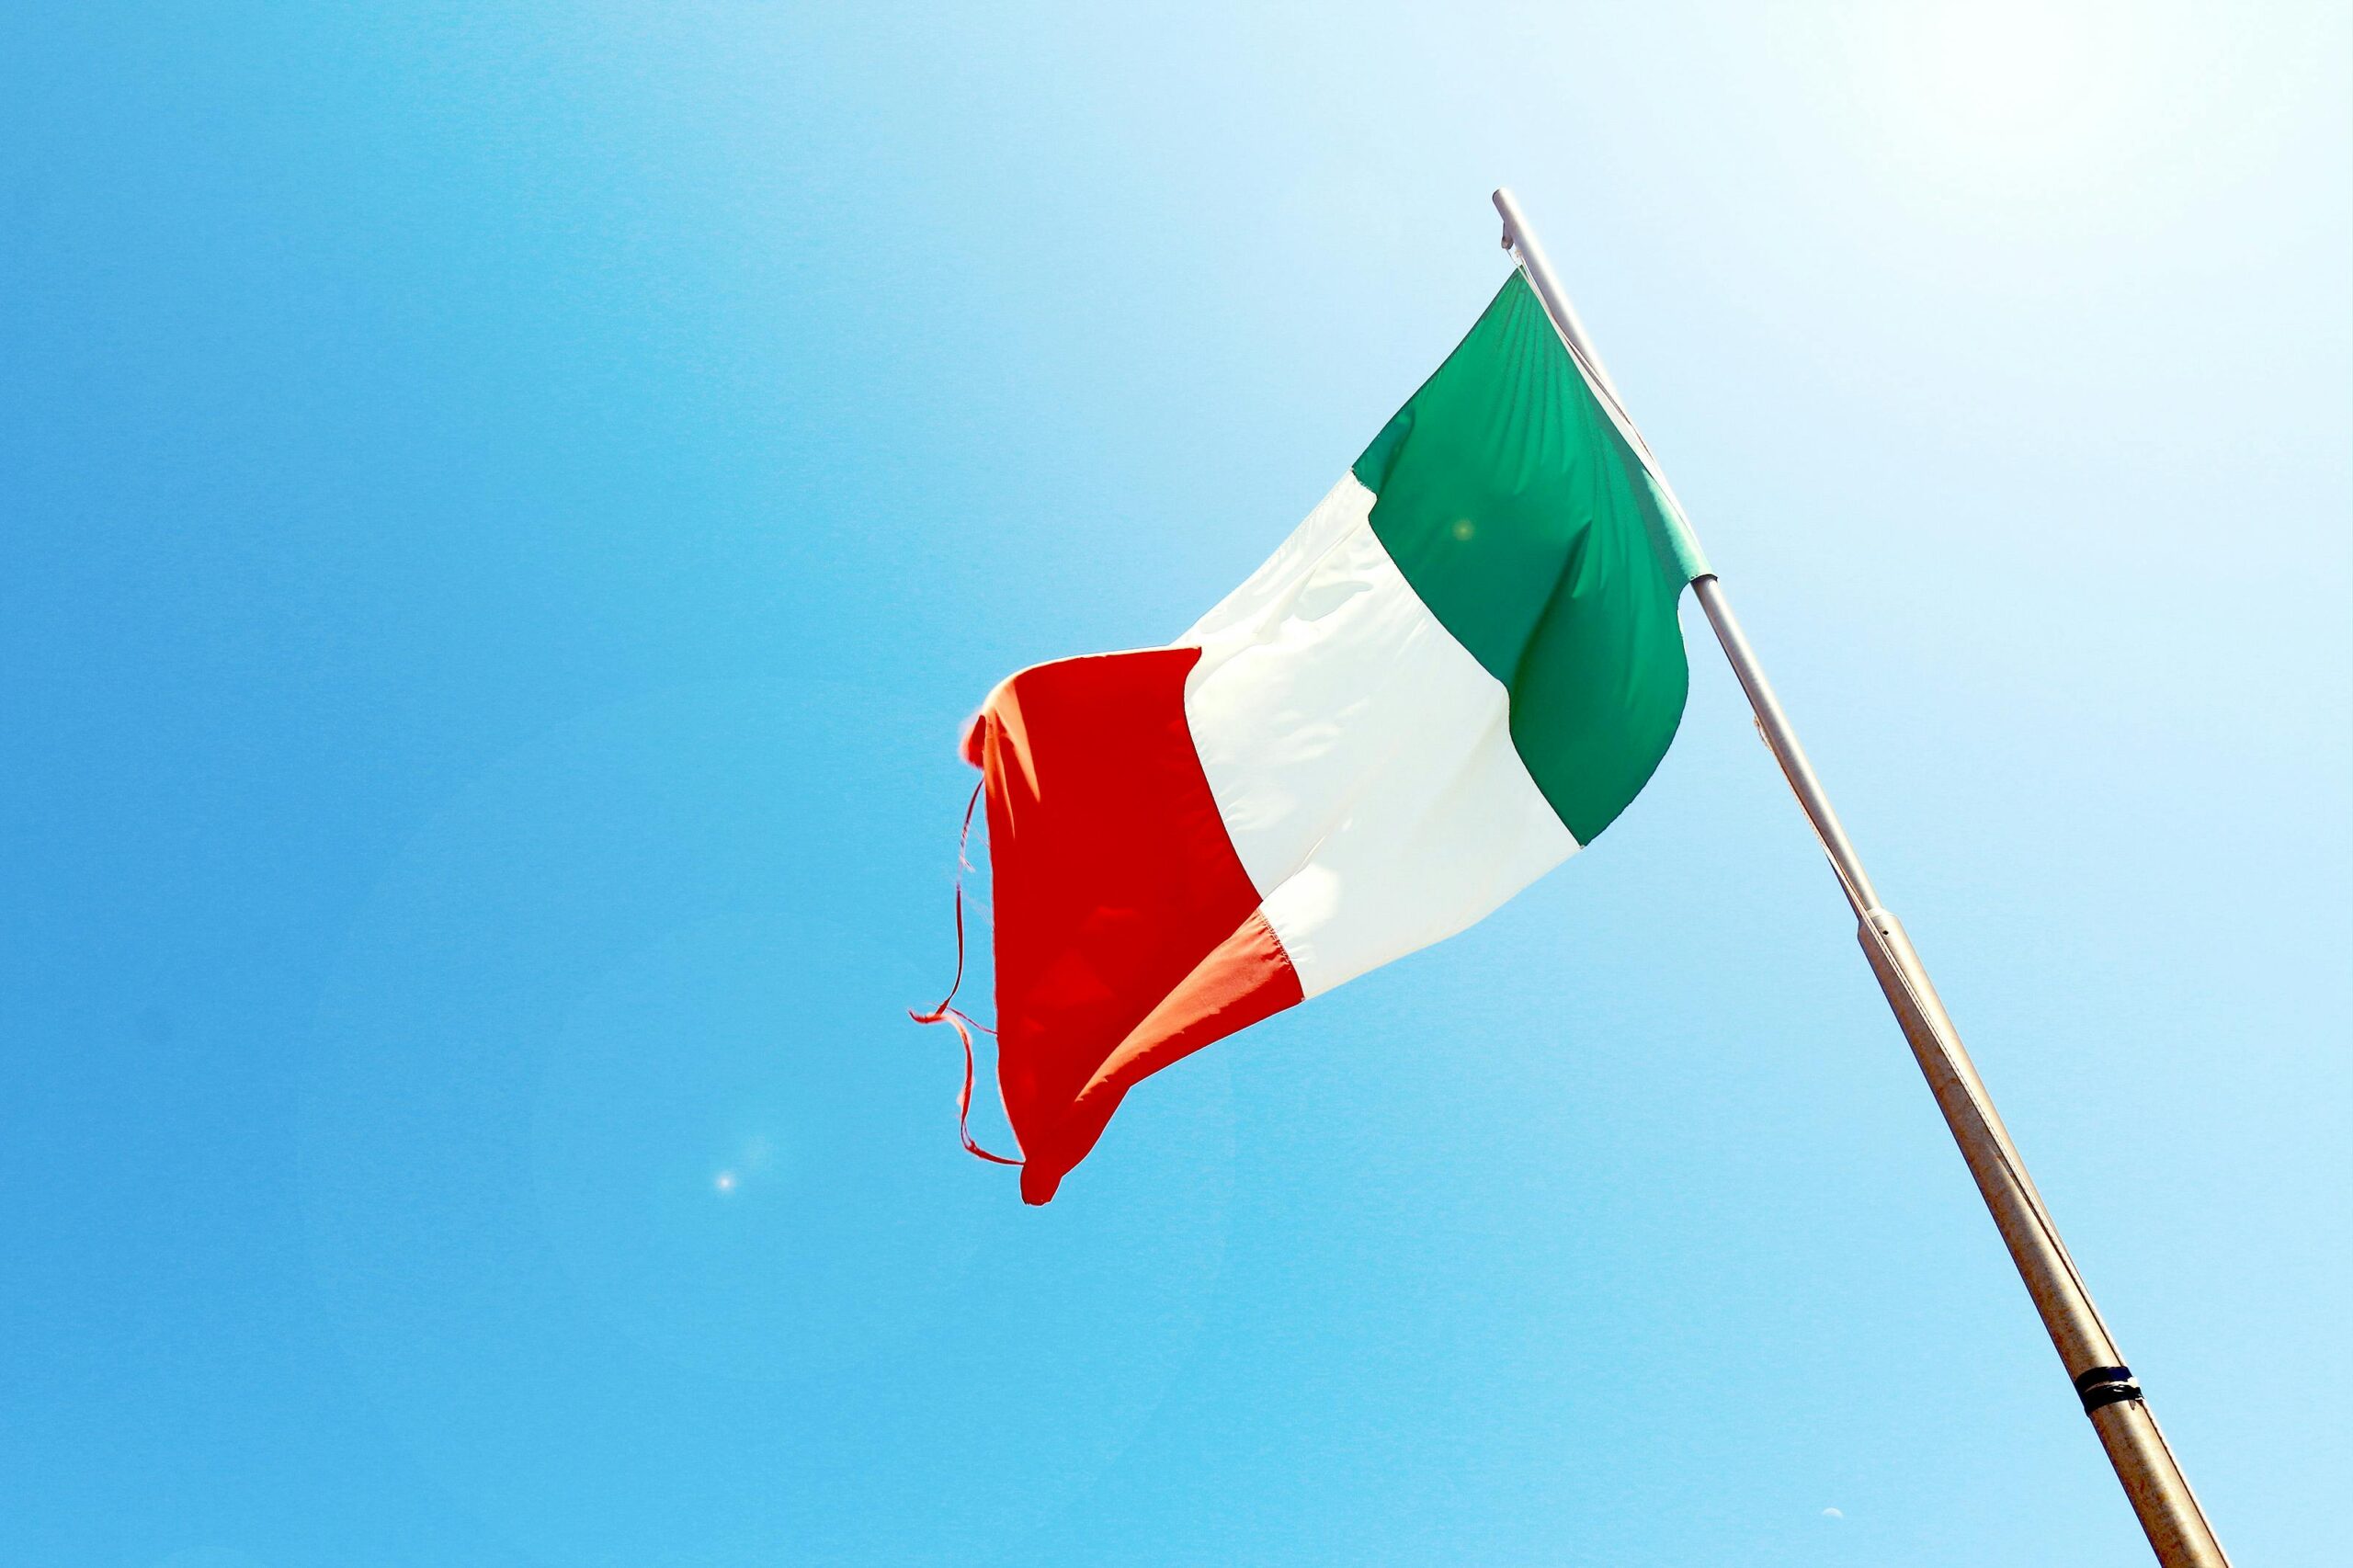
[{"x": 2106, "y": 1385}]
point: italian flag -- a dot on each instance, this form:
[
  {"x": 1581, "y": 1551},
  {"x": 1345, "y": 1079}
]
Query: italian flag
[{"x": 1458, "y": 670}]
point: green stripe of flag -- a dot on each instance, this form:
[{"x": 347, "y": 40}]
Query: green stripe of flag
[{"x": 1535, "y": 535}]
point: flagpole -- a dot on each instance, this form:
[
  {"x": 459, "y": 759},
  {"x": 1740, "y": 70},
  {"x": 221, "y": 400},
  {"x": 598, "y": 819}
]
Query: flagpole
[{"x": 2160, "y": 1496}]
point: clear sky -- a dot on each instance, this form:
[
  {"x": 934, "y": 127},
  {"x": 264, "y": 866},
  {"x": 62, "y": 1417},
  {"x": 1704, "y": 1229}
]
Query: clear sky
[{"x": 505, "y": 508}]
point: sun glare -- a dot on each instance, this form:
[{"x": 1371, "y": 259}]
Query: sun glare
[{"x": 2025, "y": 99}]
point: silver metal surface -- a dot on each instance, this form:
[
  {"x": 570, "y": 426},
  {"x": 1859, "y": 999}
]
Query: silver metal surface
[
  {"x": 2153, "y": 1480},
  {"x": 1782, "y": 741}
]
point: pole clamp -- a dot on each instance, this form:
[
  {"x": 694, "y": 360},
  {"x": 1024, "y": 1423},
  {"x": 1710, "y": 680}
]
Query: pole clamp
[{"x": 2099, "y": 1386}]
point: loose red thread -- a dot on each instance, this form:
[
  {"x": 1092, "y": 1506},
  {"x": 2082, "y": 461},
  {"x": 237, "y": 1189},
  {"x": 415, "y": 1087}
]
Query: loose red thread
[{"x": 954, "y": 1016}]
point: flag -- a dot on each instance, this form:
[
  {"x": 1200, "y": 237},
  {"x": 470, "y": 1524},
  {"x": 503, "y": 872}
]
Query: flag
[{"x": 1457, "y": 671}]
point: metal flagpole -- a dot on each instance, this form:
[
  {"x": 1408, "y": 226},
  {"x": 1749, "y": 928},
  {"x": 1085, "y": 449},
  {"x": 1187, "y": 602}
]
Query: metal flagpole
[{"x": 2161, "y": 1496}]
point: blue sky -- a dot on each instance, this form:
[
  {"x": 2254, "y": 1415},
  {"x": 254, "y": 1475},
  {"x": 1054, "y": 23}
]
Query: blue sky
[{"x": 507, "y": 509}]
